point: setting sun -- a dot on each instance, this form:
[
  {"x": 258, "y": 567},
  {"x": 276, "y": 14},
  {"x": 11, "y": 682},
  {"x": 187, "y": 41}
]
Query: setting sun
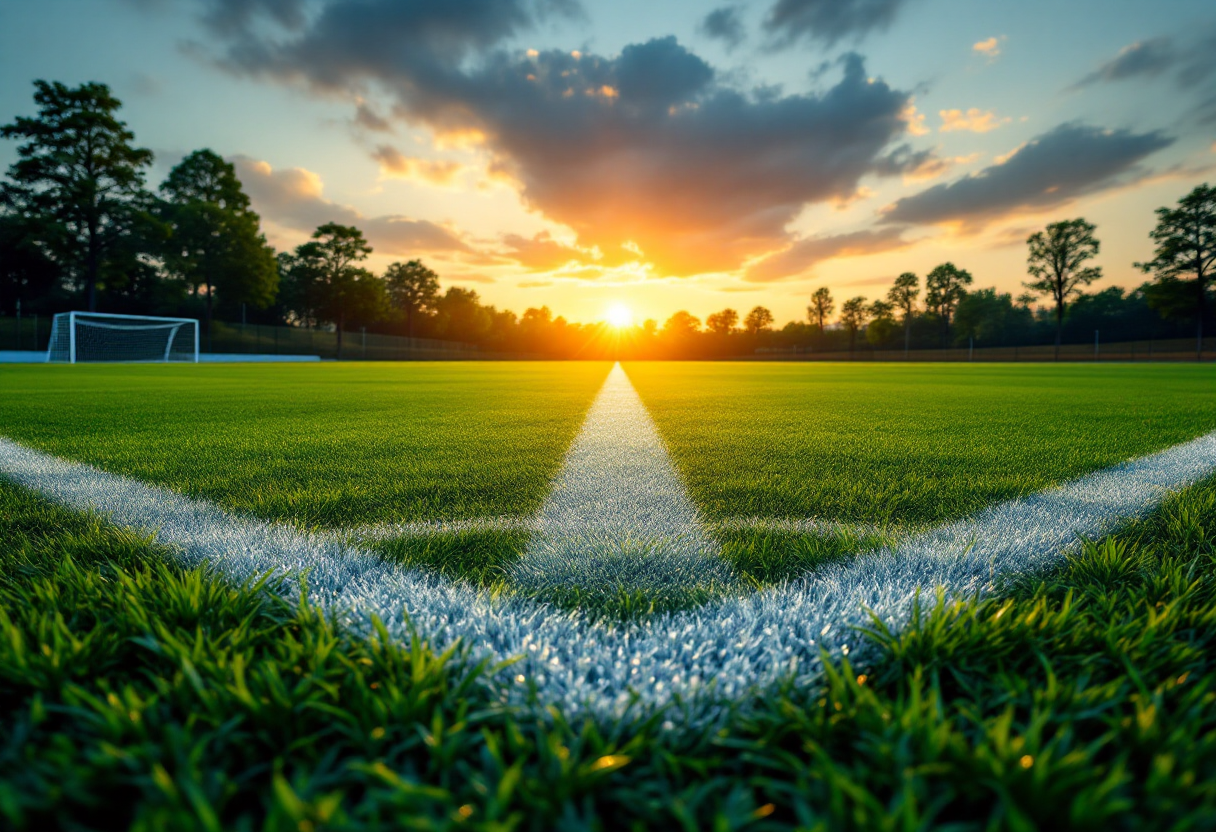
[{"x": 619, "y": 315}]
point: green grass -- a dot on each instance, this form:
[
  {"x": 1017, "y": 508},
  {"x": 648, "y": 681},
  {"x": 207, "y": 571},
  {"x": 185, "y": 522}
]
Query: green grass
[
  {"x": 911, "y": 444},
  {"x": 327, "y": 445},
  {"x": 138, "y": 695},
  {"x": 347, "y": 444}
]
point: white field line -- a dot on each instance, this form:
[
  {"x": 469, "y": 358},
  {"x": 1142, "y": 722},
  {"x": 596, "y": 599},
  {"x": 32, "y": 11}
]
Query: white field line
[
  {"x": 618, "y": 517},
  {"x": 736, "y": 644},
  {"x": 507, "y": 523}
]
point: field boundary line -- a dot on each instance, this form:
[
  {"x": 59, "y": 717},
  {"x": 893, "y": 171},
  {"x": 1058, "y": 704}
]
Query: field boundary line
[{"x": 717, "y": 652}]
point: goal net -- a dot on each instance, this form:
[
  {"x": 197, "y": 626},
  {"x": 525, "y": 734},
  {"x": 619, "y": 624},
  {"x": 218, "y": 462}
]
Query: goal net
[{"x": 93, "y": 336}]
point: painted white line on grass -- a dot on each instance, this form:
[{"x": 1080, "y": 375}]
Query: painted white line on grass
[
  {"x": 735, "y": 644},
  {"x": 507, "y": 523},
  {"x": 618, "y": 517}
]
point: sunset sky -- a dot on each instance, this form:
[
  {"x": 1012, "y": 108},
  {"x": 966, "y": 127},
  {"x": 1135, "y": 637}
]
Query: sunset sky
[{"x": 665, "y": 155}]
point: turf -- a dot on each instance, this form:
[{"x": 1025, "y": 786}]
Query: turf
[
  {"x": 138, "y": 695},
  {"x": 909, "y": 444},
  {"x": 325, "y": 445}
]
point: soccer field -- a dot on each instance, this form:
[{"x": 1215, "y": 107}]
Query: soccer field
[
  {"x": 684, "y": 556},
  {"x": 345, "y": 445}
]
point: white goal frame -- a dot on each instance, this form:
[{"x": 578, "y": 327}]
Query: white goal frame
[{"x": 65, "y": 323}]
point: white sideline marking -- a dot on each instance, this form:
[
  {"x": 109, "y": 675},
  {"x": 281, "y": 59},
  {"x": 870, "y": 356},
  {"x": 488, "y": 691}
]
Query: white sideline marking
[
  {"x": 618, "y": 517},
  {"x": 737, "y": 644}
]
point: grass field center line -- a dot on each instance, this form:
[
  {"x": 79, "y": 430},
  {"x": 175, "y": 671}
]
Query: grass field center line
[
  {"x": 594, "y": 665},
  {"x": 618, "y": 517}
]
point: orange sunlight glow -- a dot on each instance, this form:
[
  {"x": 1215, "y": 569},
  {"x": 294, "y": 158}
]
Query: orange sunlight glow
[{"x": 619, "y": 315}]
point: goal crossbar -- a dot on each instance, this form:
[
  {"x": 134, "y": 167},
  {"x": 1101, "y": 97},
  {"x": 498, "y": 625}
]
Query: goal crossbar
[{"x": 105, "y": 336}]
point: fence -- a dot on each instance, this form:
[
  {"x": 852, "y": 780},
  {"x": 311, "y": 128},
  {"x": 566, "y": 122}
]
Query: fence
[
  {"x": 31, "y": 332},
  {"x": 356, "y": 346},
  {"x": 1175, "y": 349}
]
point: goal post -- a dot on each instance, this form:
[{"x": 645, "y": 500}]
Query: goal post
[{"x": 78, "y": 337}]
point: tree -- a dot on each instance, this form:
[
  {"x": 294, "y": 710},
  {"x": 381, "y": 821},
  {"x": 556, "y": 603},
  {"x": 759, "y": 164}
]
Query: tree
[
  {"x": 682, "y": 325},
  {"x": 412, "y": 287},
  {"x": 1186, "y": 249},
  {"x": 758, "y": 320},
  {"x": 990, "y": 318},
  {"x": 853, "y": 315},
  {"x": 329, "y": 259},
  {"x": 944, "y": 288},
  {"x": 461, "y": 315},
  {"x": 1057, "y": 262},
  {"x": 77, "y": 176},
  {"x": 903, "y": 297},
  {"x": 821, "y": 307},
  {"x": 27, "y": 273},
  {"x": 882, "y": 323},
  {"x": 216, "y": 242},
  {"x": 722, "y": 323}
]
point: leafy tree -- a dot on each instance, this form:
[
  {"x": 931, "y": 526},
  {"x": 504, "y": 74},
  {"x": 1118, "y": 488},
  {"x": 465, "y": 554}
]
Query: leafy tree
[
  {"x": 758, "y": 320},
  {"x": 903, "y": 297},
  {"x": 326, "y": 271},
  {"x": 77, "y": 177},
  {"x": 412, "y": 287},
  {"x": 853, "y": 315},
  {"x": 27, "y": 273},
  {"x": 1186, "y": 250},
  {"x": 722, "y": 323},
  {"x": 990, "y": 318},
  {"x": 682, "y": 325},
  {"x": 821, "y": 307},
  {"x": 944, "y": 288},
  {"x": 1057, "y": 262},
  {"x": 216, "y": 243},
  {"x": 882, "y": 323},
  {"x": 461, "y": 315}
]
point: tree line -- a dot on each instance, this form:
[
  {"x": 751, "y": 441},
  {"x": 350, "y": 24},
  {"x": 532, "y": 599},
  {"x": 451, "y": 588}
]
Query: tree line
[{"x": 79, "y": 228}]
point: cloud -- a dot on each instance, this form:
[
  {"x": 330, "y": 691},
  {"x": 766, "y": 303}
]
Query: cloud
[
  {"x": 541, "y": 252},
  {"x": 974, "y": 120},
  {"x": 396, "y": 165},
  {"x": 369, "y": 119},
  {"x": 807, "y": 253},
  {"x": 1049, "y": 171},
  {"x": 914, "y": 120},
  {"x": 725, "y": 24},
  {"x": 1188, "y": 61},
  {"x": 829, "y": 21},
  {"x": 990, "y": 48},
  {"x": 230, "y": 16},
  {"x": 648, "y": 147},
  {"x": 1146, "y": 58},
  {"x": 293, "y": 198}
]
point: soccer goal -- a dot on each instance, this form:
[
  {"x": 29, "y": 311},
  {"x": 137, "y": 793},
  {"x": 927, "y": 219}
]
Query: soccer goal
[{"x": 94, "y": 336}]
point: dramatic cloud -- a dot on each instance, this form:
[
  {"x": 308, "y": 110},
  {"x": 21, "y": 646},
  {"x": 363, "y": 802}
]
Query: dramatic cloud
[
  {"x": 644, "y": 151},
  {"x": 829, "y": 21},
  {"x": 542, "y": 253},
  {"x": 396, "y": 165},
  {"x": 807, "y": 253},
  {"x": 1057, "y": 167},
  {"x": 293, "y": 198},
  {"x": 724, "y": 24},
  {"x": 974, "y": 120}
]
